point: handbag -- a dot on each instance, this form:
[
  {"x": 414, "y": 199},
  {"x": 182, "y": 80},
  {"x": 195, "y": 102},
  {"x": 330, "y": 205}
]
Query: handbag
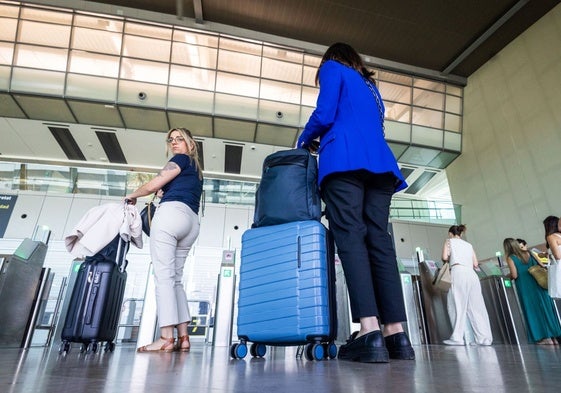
[
  {"x": 554, "y": 278},
  {"x": 443, "y": 278},
  {"x": 540, "y": 275},
  {"x": 146, "y": 216}
]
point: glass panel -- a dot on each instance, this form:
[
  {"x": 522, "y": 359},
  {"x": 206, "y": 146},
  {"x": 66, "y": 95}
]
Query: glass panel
[
  {"x": 240, "y": 46},
  {"x": 276, "y": 112},
  {"x": 393, "y": 77},
  {"x": 38, "y": 81},
  {"x": 429, "y": 85},
  {"x": 453, "y": 104},
  {"x": 453, "y": 141},
  {"x": 281, "y": 70},
  {"x": 239, "y": 62},
  {"x": 399, "y": 132},
  {"x": 191, "y": 100},
  {"x": 97, "y": 41},
  {"x": 198, "y": 56},
  {"x": 41, "y": 57},
  {"x": 309, "y": 77},
  {"x": 44, "y": 34},
  {"x": 147, "y": 71},
  {"x": 309, "y": 96},
  {"x": 452, "y": 122},
  {"x": 312, "y": 60},
  {"x": 91, "y": 87},
  {"x": 427, "y": 136},
  {"x": 9, "y": 11},
  {"x": 155, "y": 94},
  {"x": 236, "y": 106},
  {"x": 396, "y": 93},
  {"x": 428, "y": 99},
  {"x": 5, "y": 77},
  {"x": 6, "y": 53},
  {"x": 397, "y": 112},
  {"x": 198, "y": 78},
  {"x": 283, "y": 54},
  {"x": 193, "y": 38},
  {"x": 146, "y": 30},
  {"x": 97, "y": 23},
  {"x": 427, "y": 117},
  {"x": 94, "y": 64},
  {"x": 8, "y": 28},
  {"x": 237, "y": 84},
  {"x": 278, "y": 91},
  {"x": 46, "y": 16},
  {"x": 455, "y": 90},
  {"x": 146, "y": 48},
  {"x": 305, "y": 113}
]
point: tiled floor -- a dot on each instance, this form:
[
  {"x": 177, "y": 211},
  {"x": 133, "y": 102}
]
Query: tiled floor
[{"x": 495, "y": 369}]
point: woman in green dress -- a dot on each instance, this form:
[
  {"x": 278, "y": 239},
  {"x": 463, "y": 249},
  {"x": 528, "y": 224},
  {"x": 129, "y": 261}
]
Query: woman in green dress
[{"x": 538, "y": 308}]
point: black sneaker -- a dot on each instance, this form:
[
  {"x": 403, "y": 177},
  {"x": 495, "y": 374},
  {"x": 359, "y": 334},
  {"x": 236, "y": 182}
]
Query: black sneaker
[
  {"x": 399, "y": 346},
  {"x": 368, "y": 348}
]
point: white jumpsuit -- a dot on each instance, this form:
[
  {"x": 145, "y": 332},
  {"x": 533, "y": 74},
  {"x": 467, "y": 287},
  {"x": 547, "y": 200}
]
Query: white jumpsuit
[{"x": 466, "y": 297}]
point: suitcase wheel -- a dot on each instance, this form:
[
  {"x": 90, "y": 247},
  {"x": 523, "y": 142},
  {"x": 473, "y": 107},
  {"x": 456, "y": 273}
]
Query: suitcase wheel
[
  {"x": 330, "y": 351},
  {"x": 258, "y": 350},
  {"x": 91, "y": 347},
  {"x": 109, "y": 346},
  {"x": 314, "y": 352},
  {"x": 238, "y": 351},
  {"x": 64, "y": 347}
]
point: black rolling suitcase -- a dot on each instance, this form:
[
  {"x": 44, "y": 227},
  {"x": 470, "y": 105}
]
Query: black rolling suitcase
[{"x": 95, "y": 304}]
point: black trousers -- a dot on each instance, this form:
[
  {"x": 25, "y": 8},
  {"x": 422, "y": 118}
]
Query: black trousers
[{"x": 357, "y": 207}]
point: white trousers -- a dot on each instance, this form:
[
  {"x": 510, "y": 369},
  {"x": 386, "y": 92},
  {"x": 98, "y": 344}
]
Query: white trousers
[
  {"x": 465, "y": 303},
  {"x": 174, "y": 229}
]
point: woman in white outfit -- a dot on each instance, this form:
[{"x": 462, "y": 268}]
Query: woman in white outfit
[{"x": 465, "y": 292}]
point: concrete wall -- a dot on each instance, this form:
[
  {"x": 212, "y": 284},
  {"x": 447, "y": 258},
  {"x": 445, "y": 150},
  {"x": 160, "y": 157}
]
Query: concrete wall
[{"x": 508, "y": 176}]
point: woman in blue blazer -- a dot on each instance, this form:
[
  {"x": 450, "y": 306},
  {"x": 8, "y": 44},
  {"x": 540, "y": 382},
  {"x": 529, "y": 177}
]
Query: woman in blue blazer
[{"x": 358, "y": 175}]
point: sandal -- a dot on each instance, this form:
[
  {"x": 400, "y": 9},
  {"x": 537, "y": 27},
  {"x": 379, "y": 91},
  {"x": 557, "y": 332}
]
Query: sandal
[
  {"x": 167, "y": 346},
  {"x": 183, "y": 344}
]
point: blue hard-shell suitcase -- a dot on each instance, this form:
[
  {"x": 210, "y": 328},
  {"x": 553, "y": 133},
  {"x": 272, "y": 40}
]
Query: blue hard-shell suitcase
[{"x": 287, "y": 290}]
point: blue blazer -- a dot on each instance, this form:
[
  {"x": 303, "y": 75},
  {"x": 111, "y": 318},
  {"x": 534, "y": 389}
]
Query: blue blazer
[{"x": 347, "y": 121}]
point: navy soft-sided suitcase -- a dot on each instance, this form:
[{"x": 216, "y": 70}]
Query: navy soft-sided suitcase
[
  {"x": 287, "y": 290},
  {"x": 96, "y": 300},
  {"x": 288, "y": 190}
]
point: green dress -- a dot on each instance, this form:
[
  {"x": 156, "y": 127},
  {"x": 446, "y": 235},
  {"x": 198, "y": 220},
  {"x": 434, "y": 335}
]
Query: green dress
[{"x": 537, "y": 306}]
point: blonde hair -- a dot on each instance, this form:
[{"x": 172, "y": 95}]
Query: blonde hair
[{"x": 193, "y": 147}]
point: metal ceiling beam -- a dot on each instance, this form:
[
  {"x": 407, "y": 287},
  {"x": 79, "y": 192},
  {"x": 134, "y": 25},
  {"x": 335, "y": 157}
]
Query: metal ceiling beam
[
  {"x": 488, "y": 33},
  {"x": 179, "y": 9},
  {"x": 198, "y": 8}
]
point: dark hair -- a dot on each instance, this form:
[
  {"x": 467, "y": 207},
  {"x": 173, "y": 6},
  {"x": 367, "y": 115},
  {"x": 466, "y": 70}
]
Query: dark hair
[
  {"x": 512, "y": 247},
  {"x": 345, "y": 54},
  {"x": 551, "y": 226},
  {"x": 457, "y": 230}
]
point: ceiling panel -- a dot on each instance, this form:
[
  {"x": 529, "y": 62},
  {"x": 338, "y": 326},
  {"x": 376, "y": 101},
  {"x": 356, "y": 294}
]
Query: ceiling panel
[
  {"x": 41, "y": 108},
  {"x": 276, "y": 135},
  {"x": 199, "y": 125},
  {"x": 9, "y": 107},
  {"x": 235, "y": 130},
  {"x": 96, "y": 113},
  {"x": 144, "y": 118}
]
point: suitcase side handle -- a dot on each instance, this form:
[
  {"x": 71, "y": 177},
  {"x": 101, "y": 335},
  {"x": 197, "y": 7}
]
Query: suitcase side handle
[{"x": 299, "y": 252}]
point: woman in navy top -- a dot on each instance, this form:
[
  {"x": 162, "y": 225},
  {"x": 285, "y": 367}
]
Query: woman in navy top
[
  {"x": 174, "y": 229},
  {"x": 358, "y": 175}
]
